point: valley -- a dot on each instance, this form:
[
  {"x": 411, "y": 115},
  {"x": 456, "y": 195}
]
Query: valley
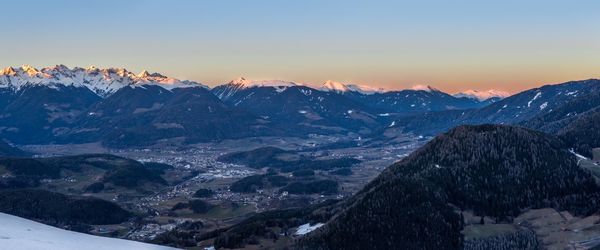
[{"x": 195, "y": 167}]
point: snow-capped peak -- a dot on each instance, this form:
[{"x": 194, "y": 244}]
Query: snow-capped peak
[
  {"x": 483, "y": 95},
  {"x": 243, "y": 82},
  {"x": 345, "y": 87},
  {"x": 31, "y": 71},
  {"x": 101, "y": 81},
  {"x": 8, "y": 71},
  {"x": 423, "y": 88},
  {"x": 143, "y": 74},
  {"x": 330, "y": 85}
]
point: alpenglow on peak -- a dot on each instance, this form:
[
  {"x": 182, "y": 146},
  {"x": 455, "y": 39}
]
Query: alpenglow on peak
[{"x": 103, "y": 82}]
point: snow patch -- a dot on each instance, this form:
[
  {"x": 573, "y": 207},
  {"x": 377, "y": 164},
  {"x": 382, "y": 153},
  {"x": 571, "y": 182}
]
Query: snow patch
[
  {"x": 537, "y": 95},
  {"x": 307, "y": 228}
]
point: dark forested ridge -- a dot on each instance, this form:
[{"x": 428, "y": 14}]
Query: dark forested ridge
[
  {"x": 575, "y": 122},
  {"x": 491, "y": 169},
  {"x": 403, "y": 214},
  {"x": 497, "y": 170},
  {"x": 553, "y": 121},
  {"x": 545, "y": 108},
  {"x": 583, "y": 134},
  {"x": 61, "y": 210},
  {"x": 27, "y": 172}
]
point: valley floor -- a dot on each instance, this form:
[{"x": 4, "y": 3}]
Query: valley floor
[{"x": 199, "y": 160}]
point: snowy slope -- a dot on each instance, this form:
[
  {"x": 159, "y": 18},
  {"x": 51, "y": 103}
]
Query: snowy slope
[
  {"x": 23, "y": 234},
  {"x": 103, "y": 82}
]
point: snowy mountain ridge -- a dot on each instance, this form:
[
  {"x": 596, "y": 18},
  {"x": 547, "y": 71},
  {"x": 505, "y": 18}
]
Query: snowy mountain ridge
[
  {"x": 229, "y": 89},
  {"x": 483, "y": 95},
  {"x": 426, "y": 88},
  {"x": 103, "y": 82},
  {"x": 349, "y": 87}
]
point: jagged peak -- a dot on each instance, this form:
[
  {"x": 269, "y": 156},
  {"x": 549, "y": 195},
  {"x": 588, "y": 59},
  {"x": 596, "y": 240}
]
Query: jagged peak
[
  {"x": 59, "y": 67},
  {"x": 143, "y": 74},
  {"x": 8, "y": 71},
  {"x": 238, "y": 81},
  {"x": 330, "y": 85},
  {"x": 31, "y": 71},
  {"x": 101, "y": 81}
]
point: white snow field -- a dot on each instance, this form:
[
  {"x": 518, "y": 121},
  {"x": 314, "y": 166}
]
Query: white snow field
[
  {"x": 21, "y": 234},
  {"x": 307, "y": 228}
]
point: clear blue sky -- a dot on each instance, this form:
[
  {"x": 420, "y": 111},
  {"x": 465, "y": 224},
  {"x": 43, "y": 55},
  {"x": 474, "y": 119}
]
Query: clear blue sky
[{"x": 452, "y": 45}]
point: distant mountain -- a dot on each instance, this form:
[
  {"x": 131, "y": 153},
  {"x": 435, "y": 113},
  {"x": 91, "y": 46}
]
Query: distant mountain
[
  {"x": 40, "y": 106},
  {"x": 142, "y": 116},
  {"x": 103, "y": 82},
  {"x": 492, "y": 95},
  {"x": 560, "y": 117},
  {"x": 493, "y": 170},
  {"x": 123, "y": 109},
  {"x": 576, "y": 122},
  {"x": 37, "y": 113},
  {"x": 418, "y": 99},
  {"x": 515, "y": 109},
  {"x": 299, "y": 109},
  {"x": 345, "y": 88},
  {"x": 228, "y": 90}
]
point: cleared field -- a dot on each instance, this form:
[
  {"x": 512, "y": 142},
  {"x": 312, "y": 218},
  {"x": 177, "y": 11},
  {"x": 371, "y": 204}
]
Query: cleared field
[{"x": 483, "y": 231}]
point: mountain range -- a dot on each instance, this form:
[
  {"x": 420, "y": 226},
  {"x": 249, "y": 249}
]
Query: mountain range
[{"x": 120, "y": 108}]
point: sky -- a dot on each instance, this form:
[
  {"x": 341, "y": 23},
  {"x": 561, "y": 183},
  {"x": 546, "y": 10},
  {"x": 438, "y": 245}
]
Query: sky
[{"x": 451, "y": 45}]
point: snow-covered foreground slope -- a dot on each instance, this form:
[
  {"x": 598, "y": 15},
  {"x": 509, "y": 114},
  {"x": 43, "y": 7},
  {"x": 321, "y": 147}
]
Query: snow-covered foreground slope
[{"x": 23, "y": 234}]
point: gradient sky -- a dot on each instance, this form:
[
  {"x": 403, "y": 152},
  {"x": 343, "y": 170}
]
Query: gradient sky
[{"x": 452, "y": 45}]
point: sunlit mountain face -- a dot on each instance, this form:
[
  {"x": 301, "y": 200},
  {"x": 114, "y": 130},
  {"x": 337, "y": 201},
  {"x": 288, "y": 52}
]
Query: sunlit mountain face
[{"x": 103, "y": 82}]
